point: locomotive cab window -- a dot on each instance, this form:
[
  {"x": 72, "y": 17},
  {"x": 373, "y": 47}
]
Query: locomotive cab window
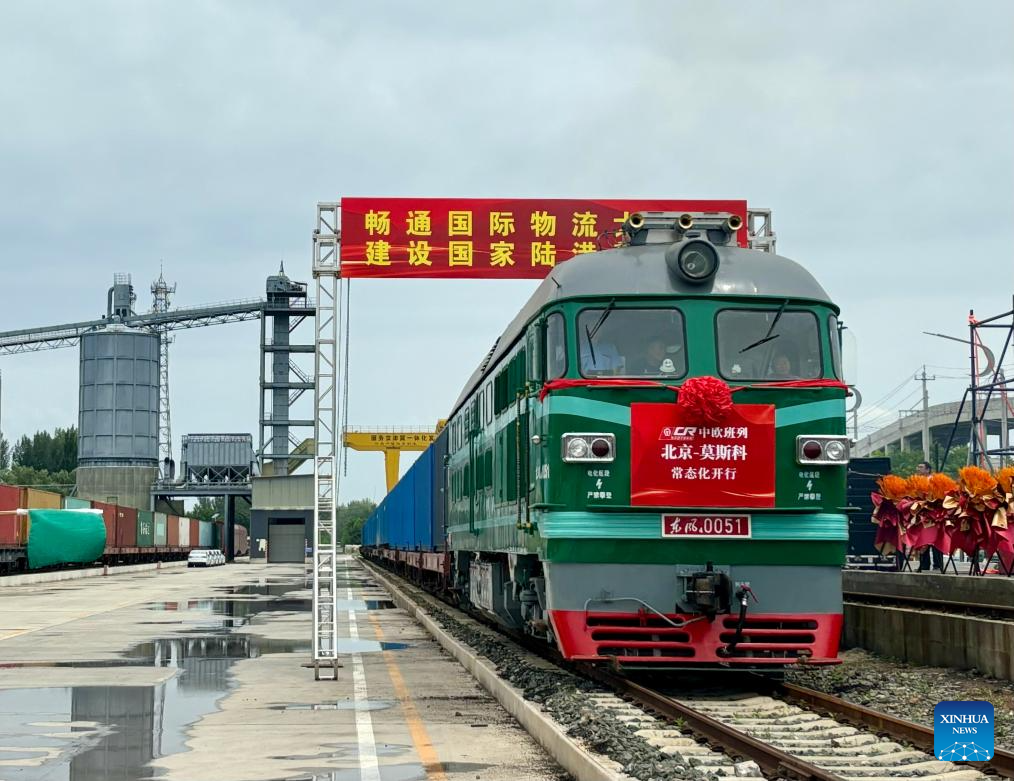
[
  {"x": 556, "y": 347},
  {"x": 834, "y": 334},
  {"x": 768, "y": 345},
  {"x": 632, "y": 342}
]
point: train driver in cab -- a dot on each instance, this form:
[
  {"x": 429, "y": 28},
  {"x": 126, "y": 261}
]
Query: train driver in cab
[
  {"x": 656, "y": 361},
  {"x": 781, "y": 367},
  {"x": 602, "y": 358}
]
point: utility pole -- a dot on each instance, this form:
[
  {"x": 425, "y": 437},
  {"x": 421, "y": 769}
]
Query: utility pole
[{"x": 925, "y": 413}]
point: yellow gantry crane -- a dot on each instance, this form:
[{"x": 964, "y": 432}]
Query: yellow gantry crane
[{"x": 391, "y": 442}]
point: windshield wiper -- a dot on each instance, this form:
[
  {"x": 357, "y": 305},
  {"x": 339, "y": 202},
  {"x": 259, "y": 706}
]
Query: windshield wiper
[
  {"x": 602, "y": 318},
  {"x": 769, "y": 336},
  {"x": 591, "y": 347}
]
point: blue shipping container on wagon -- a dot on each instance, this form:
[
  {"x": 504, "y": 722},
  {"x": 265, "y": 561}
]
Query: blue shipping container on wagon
[
  {"x": 412, "y": 516},
  {"x": 439, "y": 511}
]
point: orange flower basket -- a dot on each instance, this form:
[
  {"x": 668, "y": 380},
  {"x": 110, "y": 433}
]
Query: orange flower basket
[
  {"x": 940, "y": 485},
  {"x": 977, "y": 482},
  {"x": 893, "y": 487}
]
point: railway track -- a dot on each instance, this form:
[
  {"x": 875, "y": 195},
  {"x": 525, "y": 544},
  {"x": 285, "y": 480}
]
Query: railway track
[
  {"x": 973, "y": 609},
  {"x": 797, "y": 733},
  {"x": 774, "y": 730}
]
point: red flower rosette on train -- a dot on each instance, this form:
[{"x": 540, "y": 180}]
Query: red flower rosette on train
[
  {"x": 705, "y": 401},
  {"x": 886, "y": 514}
]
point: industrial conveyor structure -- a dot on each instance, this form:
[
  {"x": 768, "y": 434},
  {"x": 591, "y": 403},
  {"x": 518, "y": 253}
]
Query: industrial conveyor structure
[{"x": 282, "y": 381}]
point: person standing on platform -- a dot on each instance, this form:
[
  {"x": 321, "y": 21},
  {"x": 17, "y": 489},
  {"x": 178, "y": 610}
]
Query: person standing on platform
[{"x": 930, "y": 557}]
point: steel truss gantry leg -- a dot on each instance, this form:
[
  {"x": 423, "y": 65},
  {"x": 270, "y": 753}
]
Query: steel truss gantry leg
[{"x": 326, "y": 272}]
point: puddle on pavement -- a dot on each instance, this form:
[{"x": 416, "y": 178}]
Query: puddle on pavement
[
  {"x": 346, "y": 751},
  {"x": 339, "y": 705},
  {"x": 199, "y": 656},
  {"x": 230, "y": 613},
  {"x": 402, "y": 772},
  {"x": 264, "y": 589},
  {"x": 345, "y": 605},
  {"x": 349, "y": 645},
  {"x": 82, "y": 664},
  {"x": 92, "y": 733}
]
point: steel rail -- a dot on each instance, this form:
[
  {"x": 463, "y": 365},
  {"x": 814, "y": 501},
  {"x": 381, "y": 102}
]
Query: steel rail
[
  {"x": 899, "y": 729},
  {"x": 903, "y": 601},
  {"x": 772, "y": 761}
]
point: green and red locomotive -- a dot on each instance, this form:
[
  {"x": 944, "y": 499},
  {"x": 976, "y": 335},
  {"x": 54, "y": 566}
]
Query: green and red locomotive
[{"x": 649, "y": 466}]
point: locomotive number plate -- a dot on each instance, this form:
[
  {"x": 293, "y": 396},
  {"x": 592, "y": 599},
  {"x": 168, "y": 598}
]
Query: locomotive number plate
[{"x": 690, "y": 525}]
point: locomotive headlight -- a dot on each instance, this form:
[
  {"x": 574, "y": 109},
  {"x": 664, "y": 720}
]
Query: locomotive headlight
[
  {"x": 580, "y": 448},
  {"x": 695, "y": 261},
  {"x": 576, "y": 449},
  {"x": 822, "y": 450},
  {"x": 835, "y": 450}
]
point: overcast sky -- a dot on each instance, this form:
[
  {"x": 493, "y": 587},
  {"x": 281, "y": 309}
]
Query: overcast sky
[{"x": 201, "y": 135}]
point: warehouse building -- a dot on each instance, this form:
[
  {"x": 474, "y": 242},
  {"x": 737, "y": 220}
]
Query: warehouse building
[{"x": 281, "y": 518}]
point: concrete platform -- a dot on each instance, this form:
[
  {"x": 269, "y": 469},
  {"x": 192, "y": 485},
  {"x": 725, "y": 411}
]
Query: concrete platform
[
  {"x": 197, "y": 674},
  {"x": 930, "y": 632},
  {"x": 950, "y": 588}
]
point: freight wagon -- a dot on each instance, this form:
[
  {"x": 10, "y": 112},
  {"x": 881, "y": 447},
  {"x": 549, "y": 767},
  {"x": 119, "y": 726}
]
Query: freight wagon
[
  {"x": 117, "y": 535},
  {"x": 409, "y": 527}
]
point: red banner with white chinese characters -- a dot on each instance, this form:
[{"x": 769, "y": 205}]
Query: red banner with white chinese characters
[
  {"x": 484, "y": 238},
  {"x": 676, "y": 464}
]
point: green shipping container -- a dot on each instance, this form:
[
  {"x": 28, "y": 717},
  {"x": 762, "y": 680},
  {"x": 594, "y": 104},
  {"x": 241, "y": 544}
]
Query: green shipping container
[
  {"x": 73, "y": 503},
  {"x": 64, "y": 537},
  {"x": 145, "y": 529}
]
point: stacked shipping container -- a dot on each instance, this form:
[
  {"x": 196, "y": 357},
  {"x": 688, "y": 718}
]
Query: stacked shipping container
[
  {"x": 130, "y": 533},
  {"x": 145, "y": 529},
  {"x": 161, "y": 530},
  {"x": 10, "y": 524},
  {"x": 126, "y": 528},
  {"x": 412, "y": 516}
]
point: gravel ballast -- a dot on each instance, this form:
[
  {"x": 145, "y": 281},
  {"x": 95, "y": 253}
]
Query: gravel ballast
[
  {"x": 909, "y": 691},
  {"x": 566, "y": 698}
]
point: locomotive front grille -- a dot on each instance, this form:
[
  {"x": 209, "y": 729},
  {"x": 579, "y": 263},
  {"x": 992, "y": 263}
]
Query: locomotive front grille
[
  {"x": 647, "y": 649},
  {"x": 783, "y": 638}
]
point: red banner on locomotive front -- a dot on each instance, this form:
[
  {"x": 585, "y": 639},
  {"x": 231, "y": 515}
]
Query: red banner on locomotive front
[
  {"x": 678, "y": 463},
  {"x": 488, "y": 238}
]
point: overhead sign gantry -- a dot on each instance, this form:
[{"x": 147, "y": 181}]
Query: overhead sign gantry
[{"x": 456, "y": 238}]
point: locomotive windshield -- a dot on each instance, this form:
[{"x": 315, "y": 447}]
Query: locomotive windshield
[
  {"x": 768, "y": 345},
  {"x": 632, "y": 342}
]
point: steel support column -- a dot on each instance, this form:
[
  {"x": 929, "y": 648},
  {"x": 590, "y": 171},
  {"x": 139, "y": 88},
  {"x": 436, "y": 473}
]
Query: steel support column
[{"x": 326, "y": 272}]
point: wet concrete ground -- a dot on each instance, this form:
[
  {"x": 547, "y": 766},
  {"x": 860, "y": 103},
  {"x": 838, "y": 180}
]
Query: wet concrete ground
[{"x": 197, "y": 674}]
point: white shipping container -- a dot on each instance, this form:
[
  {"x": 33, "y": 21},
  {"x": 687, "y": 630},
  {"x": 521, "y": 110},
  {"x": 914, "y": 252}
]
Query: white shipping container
[
  {"x": 185, "y": 533},
  {"x": 161, "y": 525}
]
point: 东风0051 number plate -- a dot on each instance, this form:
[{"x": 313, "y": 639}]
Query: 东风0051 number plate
[{"x": 717, "y": 525}]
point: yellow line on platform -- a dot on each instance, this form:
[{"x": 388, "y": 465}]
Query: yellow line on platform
[{"x": 416, "y": 728}]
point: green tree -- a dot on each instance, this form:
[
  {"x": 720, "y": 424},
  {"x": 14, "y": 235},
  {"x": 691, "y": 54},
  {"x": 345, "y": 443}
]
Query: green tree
[
  {"x": 5, "y": 453},
  {"x": 207, "y": 507},
  {"x": 54, "y": 452},
  {"x": 904, "y": 464},
  {"x": 351, "y": 517},
  {"x": 61, "y": 482}
]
